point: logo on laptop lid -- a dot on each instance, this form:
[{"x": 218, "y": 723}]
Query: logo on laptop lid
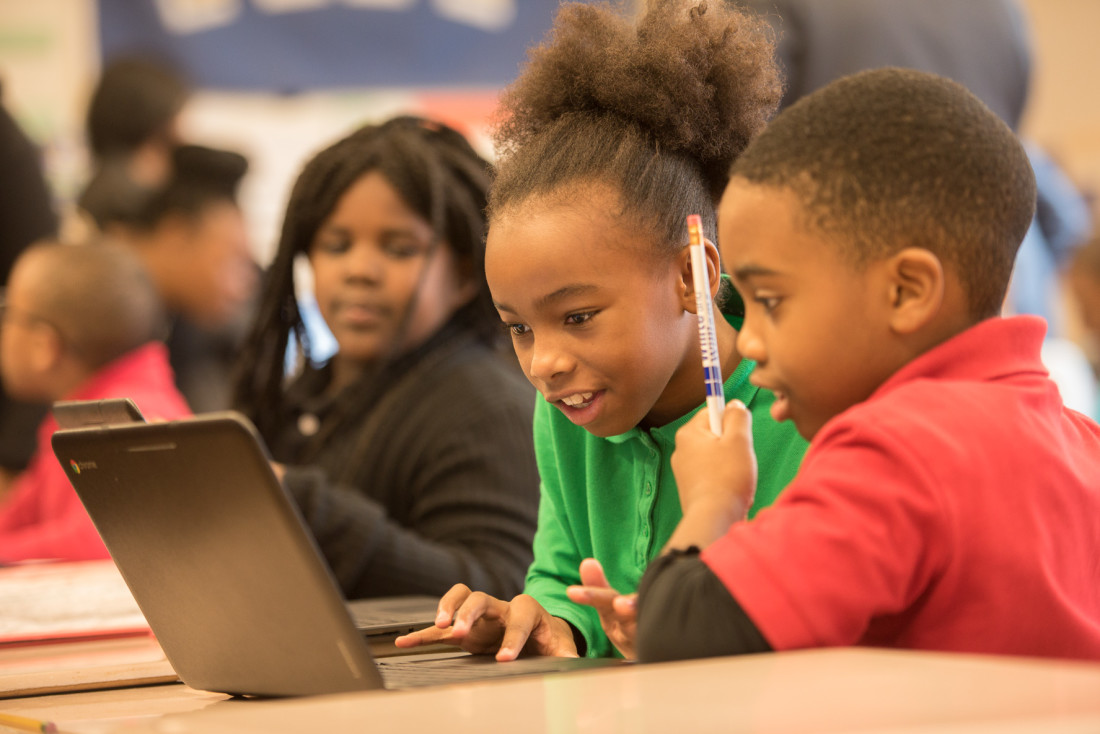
[{"x": 79, "y": 466}]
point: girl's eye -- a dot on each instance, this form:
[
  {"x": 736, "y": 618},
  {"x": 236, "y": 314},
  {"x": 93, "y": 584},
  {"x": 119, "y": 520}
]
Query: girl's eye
[
  {"x": 518, "y": 329},
  {"x": 402, "y": 249},
  {"x": 333, "y": 245},
  {"x": 576, "y": 319}
]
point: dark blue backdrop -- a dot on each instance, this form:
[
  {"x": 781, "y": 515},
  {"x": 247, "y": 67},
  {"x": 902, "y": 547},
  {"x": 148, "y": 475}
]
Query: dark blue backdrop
[{"x": 333, "y": 46}]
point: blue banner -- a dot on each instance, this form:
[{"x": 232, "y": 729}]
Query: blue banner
[{"x": 296, "y": 45}]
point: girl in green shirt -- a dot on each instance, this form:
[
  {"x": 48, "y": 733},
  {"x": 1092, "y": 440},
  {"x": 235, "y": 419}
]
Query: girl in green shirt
[{"x": 612, "y": 135}]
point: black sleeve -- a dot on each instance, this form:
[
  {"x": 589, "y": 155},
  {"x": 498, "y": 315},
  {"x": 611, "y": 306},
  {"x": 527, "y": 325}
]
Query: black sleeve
[
  {"x": 684, "y": 611},
  {"x": 466, "y": 512},
  {"x": 19, "y": 424},
  {"x": 26, "y": 215},
  {"x": 26, "y": 206}
]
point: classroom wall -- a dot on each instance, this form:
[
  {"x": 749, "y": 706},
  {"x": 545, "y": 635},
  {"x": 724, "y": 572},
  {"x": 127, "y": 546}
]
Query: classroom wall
[
  {"x": 1064, "y": 109},
  {"x": 48, "y": 62}
]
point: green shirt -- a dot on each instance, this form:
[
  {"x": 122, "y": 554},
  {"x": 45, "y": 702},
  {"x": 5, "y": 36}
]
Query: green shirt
[{"x": 615, "y": 498}]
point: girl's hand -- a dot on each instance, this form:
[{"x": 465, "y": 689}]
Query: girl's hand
[
  {"x": 618, "y": 613},
  {"x": 479, "y": 623}
]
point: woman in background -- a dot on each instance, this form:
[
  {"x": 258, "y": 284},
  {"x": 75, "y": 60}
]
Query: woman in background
[{"x": 409, "y": 451}]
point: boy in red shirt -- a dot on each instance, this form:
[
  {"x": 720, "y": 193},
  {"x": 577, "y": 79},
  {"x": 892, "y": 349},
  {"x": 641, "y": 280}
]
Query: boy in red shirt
[
  {"x": 949, "y": 501},
  {"x": 80, "y": 322}
]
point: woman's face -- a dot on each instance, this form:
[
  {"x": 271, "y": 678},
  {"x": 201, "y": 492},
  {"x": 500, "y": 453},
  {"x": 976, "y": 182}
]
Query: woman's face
[{"x": 369, "y": 258}]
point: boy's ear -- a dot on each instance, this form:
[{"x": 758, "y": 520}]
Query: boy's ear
[
  {"x": 916, "y": 284},
  {"x": 687, "y": 280},
  {"x": 46, "y": 348}
]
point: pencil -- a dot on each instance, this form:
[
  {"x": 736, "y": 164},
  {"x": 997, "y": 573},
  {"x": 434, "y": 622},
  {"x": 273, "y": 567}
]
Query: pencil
[
  {"x": 708, "y": 334},
  {"x": 26, "y": 724}
]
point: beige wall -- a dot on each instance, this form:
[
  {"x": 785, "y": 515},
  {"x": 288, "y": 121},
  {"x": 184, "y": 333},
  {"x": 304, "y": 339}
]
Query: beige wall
[
  {"x": 47, "y": 63},
  {"x": 1063, "y": 112}
]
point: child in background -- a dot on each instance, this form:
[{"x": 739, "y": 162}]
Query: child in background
[
  {"x": 132, "y": 126},
  {"x": 949, "y": 501},
  {"x": 191, "y": 235},
  {"x": 613, "y": 135},
  {"x": 80, "y": 322},
  {"x": 1084, "y": 283},
  {"x": 410, "y": 449}
]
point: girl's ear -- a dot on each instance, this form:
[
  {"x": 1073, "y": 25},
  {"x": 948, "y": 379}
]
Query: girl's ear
[
  {"x": 917, "y": 286},
  {"x": 686, "y": 279}
]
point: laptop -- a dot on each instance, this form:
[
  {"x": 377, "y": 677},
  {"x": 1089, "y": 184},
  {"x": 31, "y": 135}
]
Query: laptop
[
  {"x": 382, "y": 620},
  {"x": 229, "y": 578}
]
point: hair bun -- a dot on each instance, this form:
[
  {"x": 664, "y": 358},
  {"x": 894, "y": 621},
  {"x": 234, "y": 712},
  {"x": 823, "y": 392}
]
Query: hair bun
[{"x": 698, "y": 79}]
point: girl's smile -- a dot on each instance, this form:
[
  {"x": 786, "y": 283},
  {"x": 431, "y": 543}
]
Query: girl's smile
[
  {"x": 598, "y": 317},
  {"x": 582, "y": 407}
]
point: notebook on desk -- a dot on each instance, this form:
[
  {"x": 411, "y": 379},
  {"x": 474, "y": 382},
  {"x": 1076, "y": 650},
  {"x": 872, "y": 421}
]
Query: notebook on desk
[{"x": 223, "y": 568}]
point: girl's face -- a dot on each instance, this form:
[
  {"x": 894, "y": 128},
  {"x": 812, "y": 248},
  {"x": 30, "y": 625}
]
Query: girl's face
[
  {"x": 598, "y": 321},
  {"x": 369, "y": 257}
]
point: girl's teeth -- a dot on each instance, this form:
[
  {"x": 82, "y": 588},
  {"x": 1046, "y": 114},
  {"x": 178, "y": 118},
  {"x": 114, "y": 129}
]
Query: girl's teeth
[{"x": 574, "y": 400}]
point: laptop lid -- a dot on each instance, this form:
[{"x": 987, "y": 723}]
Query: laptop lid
[{"x": 217, "y": 556}]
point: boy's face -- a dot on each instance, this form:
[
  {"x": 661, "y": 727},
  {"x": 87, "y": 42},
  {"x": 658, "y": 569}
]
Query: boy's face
[
  {"x": 597, "y": 324},
  {"x": 816, "y": 325},
  {"x": 215, "y": 273}
]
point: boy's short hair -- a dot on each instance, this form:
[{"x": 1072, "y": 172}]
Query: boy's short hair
[
  {"x": 894, "y": 158},
  {"x": 98, "y": 296}
]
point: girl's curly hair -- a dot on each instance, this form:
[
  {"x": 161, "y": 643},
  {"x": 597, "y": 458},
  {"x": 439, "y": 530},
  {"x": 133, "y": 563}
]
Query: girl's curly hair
[{"x": 658, "y": 109}]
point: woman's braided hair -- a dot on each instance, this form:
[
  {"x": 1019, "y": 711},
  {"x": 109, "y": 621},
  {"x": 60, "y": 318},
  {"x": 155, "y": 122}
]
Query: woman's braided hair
[{"x": 437, "y": 174}]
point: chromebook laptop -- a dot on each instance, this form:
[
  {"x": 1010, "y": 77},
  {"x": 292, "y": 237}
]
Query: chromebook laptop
[
  {"x": 382, "y": 619},
  {"x": 227, "y": 575}
]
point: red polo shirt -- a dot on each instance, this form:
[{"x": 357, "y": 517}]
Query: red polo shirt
[
  {"x": 43, "y": 517},
  {"x": 958, "y": 508}
]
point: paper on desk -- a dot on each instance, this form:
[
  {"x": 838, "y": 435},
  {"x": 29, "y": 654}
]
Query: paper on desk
[{"x": 41, "y": 602}]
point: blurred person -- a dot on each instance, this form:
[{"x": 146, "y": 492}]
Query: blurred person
[
  {"x": 1061, "y": 225},
  {"x": 409, "y": 450},
  {"x": 26, "y": 215},
  {"x": 982, "y": 44},
  {"x": 79, "y": 322},
  {"x": 985, "y": 46},
  {"x": 191, "y": 235},
  {"x": 1084, "y": 283},
  {"x": 132, "y": 127}
]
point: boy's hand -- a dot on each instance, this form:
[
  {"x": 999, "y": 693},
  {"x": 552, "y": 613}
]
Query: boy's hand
[
  {"x": 715, "y": 475},
  {"x": 482, "y": 624},
  {"x": 618, "y": 613}
]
